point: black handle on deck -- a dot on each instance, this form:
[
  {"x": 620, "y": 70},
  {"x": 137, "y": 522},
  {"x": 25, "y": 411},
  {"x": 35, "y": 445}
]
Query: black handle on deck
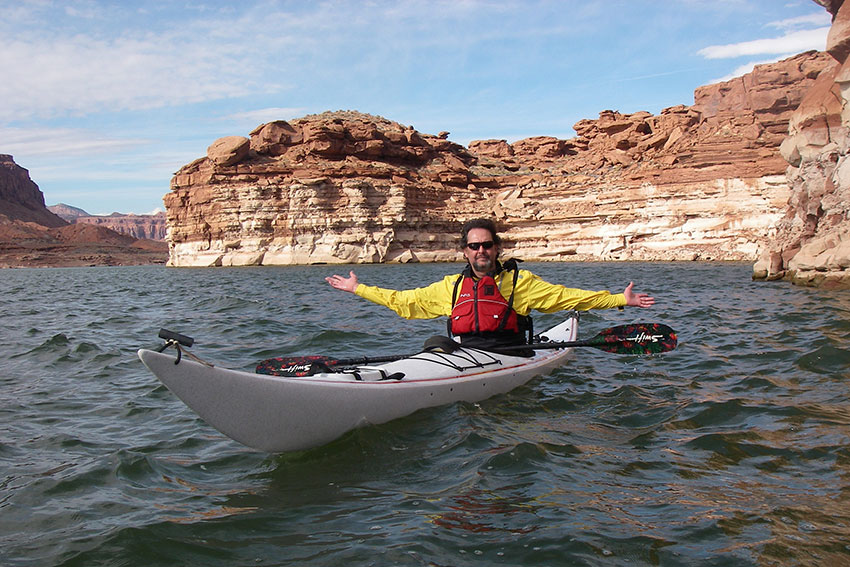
[{"x": 177, "y": 337}]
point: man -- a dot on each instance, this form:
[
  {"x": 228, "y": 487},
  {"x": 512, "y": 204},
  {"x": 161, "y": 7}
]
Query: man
[{"x": 489, "y": 303}]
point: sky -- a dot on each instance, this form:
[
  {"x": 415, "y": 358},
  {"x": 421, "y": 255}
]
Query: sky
[{"x": 103, "y": 101}]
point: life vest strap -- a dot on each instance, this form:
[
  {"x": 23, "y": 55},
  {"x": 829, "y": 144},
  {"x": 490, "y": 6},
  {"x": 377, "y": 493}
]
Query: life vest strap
[{"x": 524, "y": 323}]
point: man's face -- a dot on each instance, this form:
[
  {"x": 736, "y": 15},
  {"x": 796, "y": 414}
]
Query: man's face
[{"x": 482, "y": 260}]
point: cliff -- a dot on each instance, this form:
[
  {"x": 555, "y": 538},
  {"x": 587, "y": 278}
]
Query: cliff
[
  {"x": 703, "y": 181},
  {"x": 32, "y": 236},
  {"x": 336, "y": 188},
  {"x": 150, "y": 227},
  {"x": 20, "y": 198},
  {"x": 812, "y": 241}
]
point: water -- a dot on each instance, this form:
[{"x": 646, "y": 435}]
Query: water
[{"x": 731, "y": 450}]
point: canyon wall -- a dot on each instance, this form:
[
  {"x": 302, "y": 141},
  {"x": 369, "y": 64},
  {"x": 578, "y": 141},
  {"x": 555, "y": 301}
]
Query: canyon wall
[
  {"x": 20, "y": 198},
  {"x": 150, "y": 227},
  {"x": 705, "y": 181},
  {"x": 812, "y": 241},
  {"x": 337, "y": 188}
]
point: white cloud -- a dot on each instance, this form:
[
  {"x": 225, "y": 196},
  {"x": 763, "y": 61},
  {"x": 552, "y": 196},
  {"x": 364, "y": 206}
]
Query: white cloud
[
  {"x": 79, "y": 74},
  {"x": 818, "y": 19},
  {"x": 51, "y": 71},
  {"x": 794, "y": 42},
  {"x": 62, "y": 142},
  {"x": 92, "y": 57},
  {"x": 80, "y": 175}
]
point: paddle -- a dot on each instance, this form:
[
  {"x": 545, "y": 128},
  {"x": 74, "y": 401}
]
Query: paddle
[{"x": 636, "y": 338}]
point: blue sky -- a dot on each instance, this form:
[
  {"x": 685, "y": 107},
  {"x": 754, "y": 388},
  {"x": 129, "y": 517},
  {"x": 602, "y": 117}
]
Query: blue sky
[{"x": 103, "y": 101}]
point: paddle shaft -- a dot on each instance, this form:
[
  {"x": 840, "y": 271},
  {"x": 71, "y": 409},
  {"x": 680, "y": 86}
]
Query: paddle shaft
[
  {"x": 627, "y": 339},
  {"x": 639, "y": 338}
]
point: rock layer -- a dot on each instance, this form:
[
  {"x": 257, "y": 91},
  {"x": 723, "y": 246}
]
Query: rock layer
[
  {"x": 334, "y": 188},
  {"x": 149, "y": 227},
  {"x": 812, "y": 243},
  {"x": 705, "y": 181}
]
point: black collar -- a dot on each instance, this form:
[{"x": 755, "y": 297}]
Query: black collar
[{"x": 507, "y": 266}]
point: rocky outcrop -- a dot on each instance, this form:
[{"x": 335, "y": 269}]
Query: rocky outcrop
[
  {"x": 694, "y": 182},
  {"x": 149, "y": 227},
  {"x": 732, "y": 130},
  {"x": 32, "y": 236},
  {"x": 338, "y": 187},
  {"x": 812, "y": 242},
  {"x": 20, "y": 198},
  {"x": 699, "y": 182},
  {"x": 143, "y": 227}
]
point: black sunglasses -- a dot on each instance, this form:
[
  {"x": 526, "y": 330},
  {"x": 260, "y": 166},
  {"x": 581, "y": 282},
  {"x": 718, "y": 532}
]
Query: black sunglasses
[{"x": 476, "y": 245}]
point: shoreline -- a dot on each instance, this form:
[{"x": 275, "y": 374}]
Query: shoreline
[{"x": 5, "y": 266}]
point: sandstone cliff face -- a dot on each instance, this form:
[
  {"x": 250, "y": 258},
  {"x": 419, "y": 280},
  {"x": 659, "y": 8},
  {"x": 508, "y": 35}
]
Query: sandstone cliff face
[
  {"x": 812, "y": 243},
  {"x": 334, "y": 188},
  {"x": 733, "y": 128},
  {"x": 705, "y": 181},
  {"x": 142, "y": 227},
  {"x": 699, "y": 182},
  {"x": 20, "y": 198},
  {"x": 148, "y": 227}
]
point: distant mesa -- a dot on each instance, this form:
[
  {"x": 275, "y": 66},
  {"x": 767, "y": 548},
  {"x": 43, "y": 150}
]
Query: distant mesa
[{"x": 150, "y": 227}]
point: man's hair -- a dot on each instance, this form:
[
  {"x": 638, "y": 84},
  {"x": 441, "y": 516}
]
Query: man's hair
[{"x": 486, "y": 224}]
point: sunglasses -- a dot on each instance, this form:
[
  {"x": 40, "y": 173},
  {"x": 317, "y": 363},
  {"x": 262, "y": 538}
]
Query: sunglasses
[{"x": 476, "y": 245}]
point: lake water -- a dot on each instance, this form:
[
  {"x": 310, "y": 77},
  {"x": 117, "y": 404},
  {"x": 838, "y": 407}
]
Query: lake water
[{"x": 732, "y": 450}]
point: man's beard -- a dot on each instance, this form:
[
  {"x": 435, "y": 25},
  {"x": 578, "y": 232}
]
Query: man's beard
[{"x": 483, "y": 264}]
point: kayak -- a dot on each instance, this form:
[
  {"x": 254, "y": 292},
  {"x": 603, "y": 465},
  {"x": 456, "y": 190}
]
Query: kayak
[{"x": 289, "y": 413}]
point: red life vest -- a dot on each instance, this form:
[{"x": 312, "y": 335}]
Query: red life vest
[{"x": 481, "y": 307}]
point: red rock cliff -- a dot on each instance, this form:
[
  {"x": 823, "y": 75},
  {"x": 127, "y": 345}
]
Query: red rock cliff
[
  {"x": 812, "y": 243},
  {"x": 150, "y": 227},
  {"x": 20, "y": 198},
  {"x": 702, "y": 181},
  {"x": 336, "y": 187}
]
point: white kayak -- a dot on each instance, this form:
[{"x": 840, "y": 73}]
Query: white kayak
[{"x": 278, "y": 414}]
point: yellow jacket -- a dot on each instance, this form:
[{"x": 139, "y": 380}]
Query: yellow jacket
[{"x": 532, "y": 292}]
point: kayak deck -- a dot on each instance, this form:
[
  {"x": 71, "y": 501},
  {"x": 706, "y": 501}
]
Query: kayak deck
[{"x": 277, "y": 413}]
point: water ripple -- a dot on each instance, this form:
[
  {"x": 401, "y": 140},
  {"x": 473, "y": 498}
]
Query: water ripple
[{"x": 731, "y": 450}]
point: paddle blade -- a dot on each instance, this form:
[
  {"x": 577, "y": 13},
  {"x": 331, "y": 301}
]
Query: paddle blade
[
  {"x": 637, "y": 338},
  {"x": 295, "y": 366}
]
